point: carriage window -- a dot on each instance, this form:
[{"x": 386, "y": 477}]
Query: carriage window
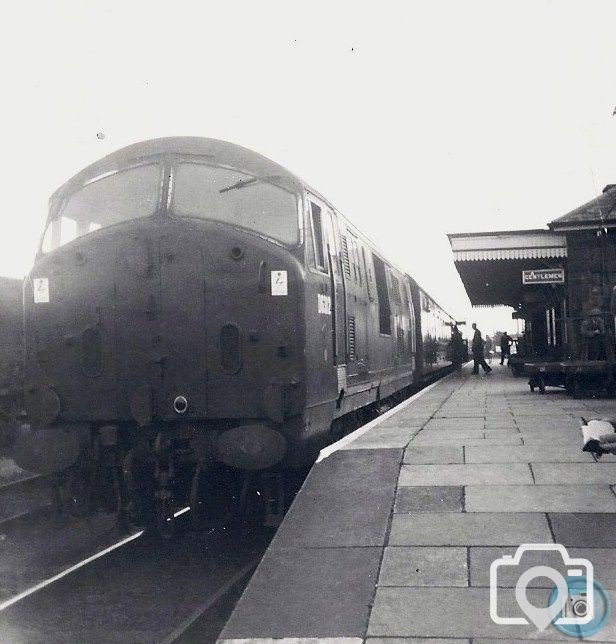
[
  {"x": 268, "y": 206},
  {"x": 383, "y": 295},
  {"x": 317, "y": 234},
  {"x": 113, "y": 199}
]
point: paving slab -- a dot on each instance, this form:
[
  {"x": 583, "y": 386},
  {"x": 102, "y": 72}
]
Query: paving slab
[
  {"x": 468, "y": 529},
  {"x": 345, "y": 501},
  {"x": 446, "y": 434},
  {"x": 540, "y": 498},
  {"x": 455, "y": 474},
  {"x": 438, "y": 454},
  {"x": 429, "y": 499},
  {"x": 421, "y": 640},
  {"x": 500, "y": 433},
  {"x": 383, "y": 437},
  {"x": 451, "y": 612},
  {"x": 427, "y": 440},
  {"x": 602, "y": 559},
  {"x": 584, "y": 530},
  {"x": 571, "y": 473},
  {"x": 526, "y": 454},
  {"x": 404, "y": 422},
  {"x": 455, "y": 424},
  {"x": 403, "y": 566},
  {"x": 293, "y": 591}
]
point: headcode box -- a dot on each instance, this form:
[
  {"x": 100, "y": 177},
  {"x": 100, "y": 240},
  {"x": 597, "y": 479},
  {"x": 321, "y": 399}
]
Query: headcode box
[{"x": 544, "y": 276}]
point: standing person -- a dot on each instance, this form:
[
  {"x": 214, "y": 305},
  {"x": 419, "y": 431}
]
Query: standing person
[
  {"x": 477, "y": 349},
  {"x": 505, "y": 345},
  {"x": 487, "y": 348},
  {"x": 457, "y": 348},
  {"x": 592, "y": 330}
]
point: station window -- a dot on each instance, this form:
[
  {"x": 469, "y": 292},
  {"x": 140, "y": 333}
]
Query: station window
[
  {"x": 317, "y": 234},
  {"x": 380, "y": 276}
]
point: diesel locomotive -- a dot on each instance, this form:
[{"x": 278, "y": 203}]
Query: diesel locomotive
[{"x": 193, "y": 303}]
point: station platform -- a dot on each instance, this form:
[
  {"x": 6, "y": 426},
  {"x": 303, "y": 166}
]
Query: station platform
[{"x": 393, "y": 533}]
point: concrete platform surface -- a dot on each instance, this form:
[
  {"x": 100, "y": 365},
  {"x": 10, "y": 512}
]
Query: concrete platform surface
[{"x": 393, "y": 534}]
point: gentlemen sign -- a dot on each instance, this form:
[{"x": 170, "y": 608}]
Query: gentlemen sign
[{"x": 544, "y": 276}]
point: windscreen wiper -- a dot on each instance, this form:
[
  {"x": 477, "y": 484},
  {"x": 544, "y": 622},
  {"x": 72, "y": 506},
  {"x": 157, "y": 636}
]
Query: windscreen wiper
[{"x": 242, "y": 183}]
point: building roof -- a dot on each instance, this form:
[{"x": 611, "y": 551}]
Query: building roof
[
  {"x": 491, "y": 264},
  {"x": 598, "y": 211},
  {"x": 507, "y": 244}
]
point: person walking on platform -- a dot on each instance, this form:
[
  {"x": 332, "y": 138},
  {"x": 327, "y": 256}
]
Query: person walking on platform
[
  {"x": 477, "y": 349},
  {"x": 505, "y": 346}
]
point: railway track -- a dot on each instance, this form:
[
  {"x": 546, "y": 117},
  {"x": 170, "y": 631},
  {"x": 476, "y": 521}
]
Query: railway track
[
  {"x": 24, "y": 497},
  {"x": 70, "y": 580},
  {"x": 137, "y": 589}
]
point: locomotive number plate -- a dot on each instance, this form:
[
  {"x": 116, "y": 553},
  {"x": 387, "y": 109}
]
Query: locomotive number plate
[{"x": 324, "y": 304}]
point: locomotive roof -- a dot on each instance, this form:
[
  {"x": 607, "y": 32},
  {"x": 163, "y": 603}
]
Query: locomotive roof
[
  {"x": 214, "y": 150},
  {"x": 191, "y": 147}
]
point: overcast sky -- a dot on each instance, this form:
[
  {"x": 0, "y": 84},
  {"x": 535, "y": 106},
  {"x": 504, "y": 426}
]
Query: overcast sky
[{"x": 414, "y": 118}]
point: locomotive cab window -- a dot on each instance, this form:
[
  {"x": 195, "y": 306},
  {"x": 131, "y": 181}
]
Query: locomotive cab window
[
  {"x": 268, "y": 206},
  {"x": 320, "y": 255},
  {"x": 111, "y": 199}
]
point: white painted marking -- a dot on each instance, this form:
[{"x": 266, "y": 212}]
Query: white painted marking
[
  {"x": 40, "y": 287},
  {"x": 68, "y": 571},
  {"x": 210, "y": 601},
  {"x": 182, "y": 511},
  {"x": 279, "y": 283},
  {"x": 349, "y": 438}
]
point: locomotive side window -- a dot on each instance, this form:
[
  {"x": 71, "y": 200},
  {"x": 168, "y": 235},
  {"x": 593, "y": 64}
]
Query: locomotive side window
[
  {"x": 264, "y": 205},
  {"x": 317, "y": 236},
  {"x": 368, "y": 273},
  {"x": 112, "y": 199},
  {"x": 381, "y": 290},
  {"x": 355, "y": 259}
]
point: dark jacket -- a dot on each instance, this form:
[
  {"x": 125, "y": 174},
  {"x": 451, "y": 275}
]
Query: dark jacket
[{"x": 477, "y": 345}]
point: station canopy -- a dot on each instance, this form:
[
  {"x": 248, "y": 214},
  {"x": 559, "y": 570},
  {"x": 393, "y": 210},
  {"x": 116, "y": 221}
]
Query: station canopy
[{"x": 491, "y": 264}]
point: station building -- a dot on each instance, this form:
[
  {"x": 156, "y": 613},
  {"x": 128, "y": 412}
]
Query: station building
[{"x": 551, "y": 277}]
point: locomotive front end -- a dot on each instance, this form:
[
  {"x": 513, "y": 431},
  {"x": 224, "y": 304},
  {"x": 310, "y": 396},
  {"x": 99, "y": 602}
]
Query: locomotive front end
[{"x": 163, "y": 313}]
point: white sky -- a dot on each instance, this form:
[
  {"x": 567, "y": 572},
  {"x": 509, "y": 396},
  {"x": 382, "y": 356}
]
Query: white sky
[{"x": 414, "y": 118}]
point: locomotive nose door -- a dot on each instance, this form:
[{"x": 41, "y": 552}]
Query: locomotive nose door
[{"x": 183, "y": 367}]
